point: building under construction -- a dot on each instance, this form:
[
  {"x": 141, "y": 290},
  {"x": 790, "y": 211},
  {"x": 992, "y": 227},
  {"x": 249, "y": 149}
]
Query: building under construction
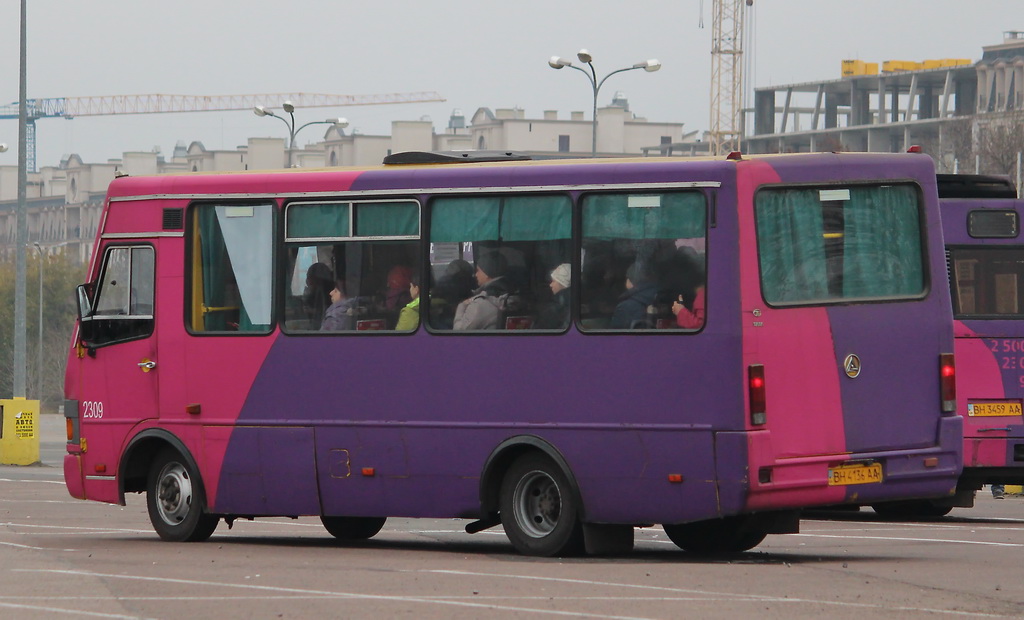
[{"x": 891, "y": 106}]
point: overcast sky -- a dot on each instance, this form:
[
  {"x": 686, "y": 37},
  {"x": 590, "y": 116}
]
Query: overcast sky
[{"x": 475, "y": 53}]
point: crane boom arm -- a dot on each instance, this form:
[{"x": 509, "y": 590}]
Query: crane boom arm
[{"x": 70, "y": 107}]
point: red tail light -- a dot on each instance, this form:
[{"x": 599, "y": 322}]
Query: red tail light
[
  {"x": 755, "y": 386},
  {"x": 947, "y": 382}
]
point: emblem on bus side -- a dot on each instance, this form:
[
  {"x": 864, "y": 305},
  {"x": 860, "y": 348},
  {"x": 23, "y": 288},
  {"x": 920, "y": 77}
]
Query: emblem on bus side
[{"x": 852, "y": 365}]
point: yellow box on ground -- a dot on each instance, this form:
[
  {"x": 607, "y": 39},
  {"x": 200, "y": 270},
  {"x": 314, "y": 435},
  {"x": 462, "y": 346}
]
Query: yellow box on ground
[
  {"x": 1013, "y": 489},
  {"x": 19, "y": 431}
]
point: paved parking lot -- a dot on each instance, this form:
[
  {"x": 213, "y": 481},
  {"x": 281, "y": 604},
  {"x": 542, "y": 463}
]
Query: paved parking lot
[{"x": 60, "y": 558}]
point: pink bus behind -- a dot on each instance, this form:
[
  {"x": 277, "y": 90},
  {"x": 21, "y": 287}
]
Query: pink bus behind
[{"x": 981, "y": 218}]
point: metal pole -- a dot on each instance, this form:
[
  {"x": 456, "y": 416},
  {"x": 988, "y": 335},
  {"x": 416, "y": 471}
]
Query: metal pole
[
  {"x": 291, "y": 140},
  {"x": 39, "y": 352},
  {"x": 593, "y": 126},
  {"x": 22, "y": 223},
  {"x": 1020, "y": 192}
]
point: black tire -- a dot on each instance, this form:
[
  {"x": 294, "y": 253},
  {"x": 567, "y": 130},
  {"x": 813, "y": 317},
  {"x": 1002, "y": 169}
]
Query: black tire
[
  {"x": 715, "y": 536},
  {"x": 539, "y": 509},
  {"x": 353, "y": 528},
  {"x": 911, "y": 509},
  {"x": 176, "y": 500}
]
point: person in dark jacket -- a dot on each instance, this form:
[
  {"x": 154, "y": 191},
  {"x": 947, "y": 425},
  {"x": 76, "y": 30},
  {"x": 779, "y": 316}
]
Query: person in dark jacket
[
  {"x": 316, "y": 297},
  {"x": 556, "y": 314},
  {"x": 631, "y": 311}
]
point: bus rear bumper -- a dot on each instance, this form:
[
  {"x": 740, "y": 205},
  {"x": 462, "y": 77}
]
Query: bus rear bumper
[{"x": 855, "y": 478}]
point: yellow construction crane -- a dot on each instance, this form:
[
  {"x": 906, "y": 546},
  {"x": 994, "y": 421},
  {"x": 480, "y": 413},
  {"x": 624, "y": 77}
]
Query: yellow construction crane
[
  {"x": 70, "y": 107},
  {"x": 726, "y": 75}
]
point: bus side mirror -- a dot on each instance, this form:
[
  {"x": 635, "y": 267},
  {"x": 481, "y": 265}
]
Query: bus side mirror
[
  {"x": 84, "y": 302},
  {"x": 86, "y": 329}
]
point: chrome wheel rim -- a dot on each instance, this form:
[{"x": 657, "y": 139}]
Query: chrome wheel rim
[
  {"x": 174, "y": 493},
  {"x": 537, "y": 504}
]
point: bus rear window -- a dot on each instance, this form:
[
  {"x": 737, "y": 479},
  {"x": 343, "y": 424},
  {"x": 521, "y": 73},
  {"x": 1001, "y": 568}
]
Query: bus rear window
[
  {"x": 839, "y": 244},
  {"x": 988, "y": 282}
]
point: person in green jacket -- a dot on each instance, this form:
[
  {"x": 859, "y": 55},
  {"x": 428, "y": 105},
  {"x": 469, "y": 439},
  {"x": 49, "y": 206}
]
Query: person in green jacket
[{"x": 409, "y": 318}]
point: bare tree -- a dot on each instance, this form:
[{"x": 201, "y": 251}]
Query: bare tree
[{"x": 999, "y": 141}]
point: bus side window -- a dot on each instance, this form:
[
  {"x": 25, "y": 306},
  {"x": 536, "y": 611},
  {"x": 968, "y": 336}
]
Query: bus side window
[
  {"x": 642, "y": 253},
  {"x": 232, "y": 249},
  {"x": 491, "y": 258},
  {"x": 123, "y": 306},
  {"x": 349, "y": 265}
]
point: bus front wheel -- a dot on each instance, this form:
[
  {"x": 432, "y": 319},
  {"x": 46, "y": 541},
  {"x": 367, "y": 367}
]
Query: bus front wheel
[
  {"x": 539, "y": 509},
  {"x": 727, "y": 535},
  {"x": 353, "y": 528},
  {"x": 174, "y": 496}
]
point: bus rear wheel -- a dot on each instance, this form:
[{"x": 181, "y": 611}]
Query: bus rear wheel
[
  {"x": 353, "y": 528},
  {"x": 727, "y": 535},
  {"x": 539, "y": 509},
  {"x": 174, "y": 496}
]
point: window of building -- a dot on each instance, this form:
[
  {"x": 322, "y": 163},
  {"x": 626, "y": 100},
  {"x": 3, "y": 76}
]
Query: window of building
[
  {"x": 837, "y": 244},
  {"x": 352, "y": 266},
  {"x": 505, "y": 248},
  {"x": 641, "y": 254},
  {"x": 232, "y": 268}
]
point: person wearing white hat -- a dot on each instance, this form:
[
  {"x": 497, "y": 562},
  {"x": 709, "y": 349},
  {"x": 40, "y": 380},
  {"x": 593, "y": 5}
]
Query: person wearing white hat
[{"x": 556, "y": 315}]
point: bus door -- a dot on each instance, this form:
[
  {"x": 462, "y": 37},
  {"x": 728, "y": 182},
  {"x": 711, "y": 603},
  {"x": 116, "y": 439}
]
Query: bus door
[{"x": 117, "y": 378}]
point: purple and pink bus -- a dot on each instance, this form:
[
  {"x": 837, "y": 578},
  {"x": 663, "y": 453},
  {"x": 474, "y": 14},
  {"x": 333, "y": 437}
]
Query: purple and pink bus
[
  {"x": 567, "y": 348},
  {"x": 981, "y": 218}
]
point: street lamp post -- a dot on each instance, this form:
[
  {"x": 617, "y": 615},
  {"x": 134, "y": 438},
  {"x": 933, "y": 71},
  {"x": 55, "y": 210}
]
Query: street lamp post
[
  {"x": 39, "y": 352},
  {"x": 21, "y": 237},
  {"x": 289, "y": 108},
  {"x": 557, "y": 62}
]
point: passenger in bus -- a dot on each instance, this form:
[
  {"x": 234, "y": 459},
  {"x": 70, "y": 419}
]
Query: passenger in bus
[
  {"x": 454, "y": 286},
  {"x": 397, "y": 294},
  {"x": 484, "y": 309},
  {"x": 340, "y": 315},
  {"x": 690, "y": 318},
  {"x": 556, "y": 314},
  {"x": 409, "y": 319},
  {"x": 316, "y": 297},
  {"x": 641, "y": 291},
  {"x": 689, "y": 304}
]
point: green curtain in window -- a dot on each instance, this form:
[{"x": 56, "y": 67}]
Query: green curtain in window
[
  {"x": 214, "y": 268},
  {"x": 679, "y": 215},
  {"x": 513, "y": 218},
  {"x": 791, "y": 245},
  {"x": 318, "y": 220},
  {"x": 536, "y": 218},
  {"x": 463, "y": 219},
  {"x": 387, "y": 219},
  {"x": 882, "y": 242}
]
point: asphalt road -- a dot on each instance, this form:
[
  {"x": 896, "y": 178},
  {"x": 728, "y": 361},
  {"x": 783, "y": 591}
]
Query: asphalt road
[{"x": 64, "y": 558}]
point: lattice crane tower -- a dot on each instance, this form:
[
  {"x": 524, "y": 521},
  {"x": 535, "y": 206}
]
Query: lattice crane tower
[
  {"x": 70, "y": 107},
  {"x": 726, "y": 75}
]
